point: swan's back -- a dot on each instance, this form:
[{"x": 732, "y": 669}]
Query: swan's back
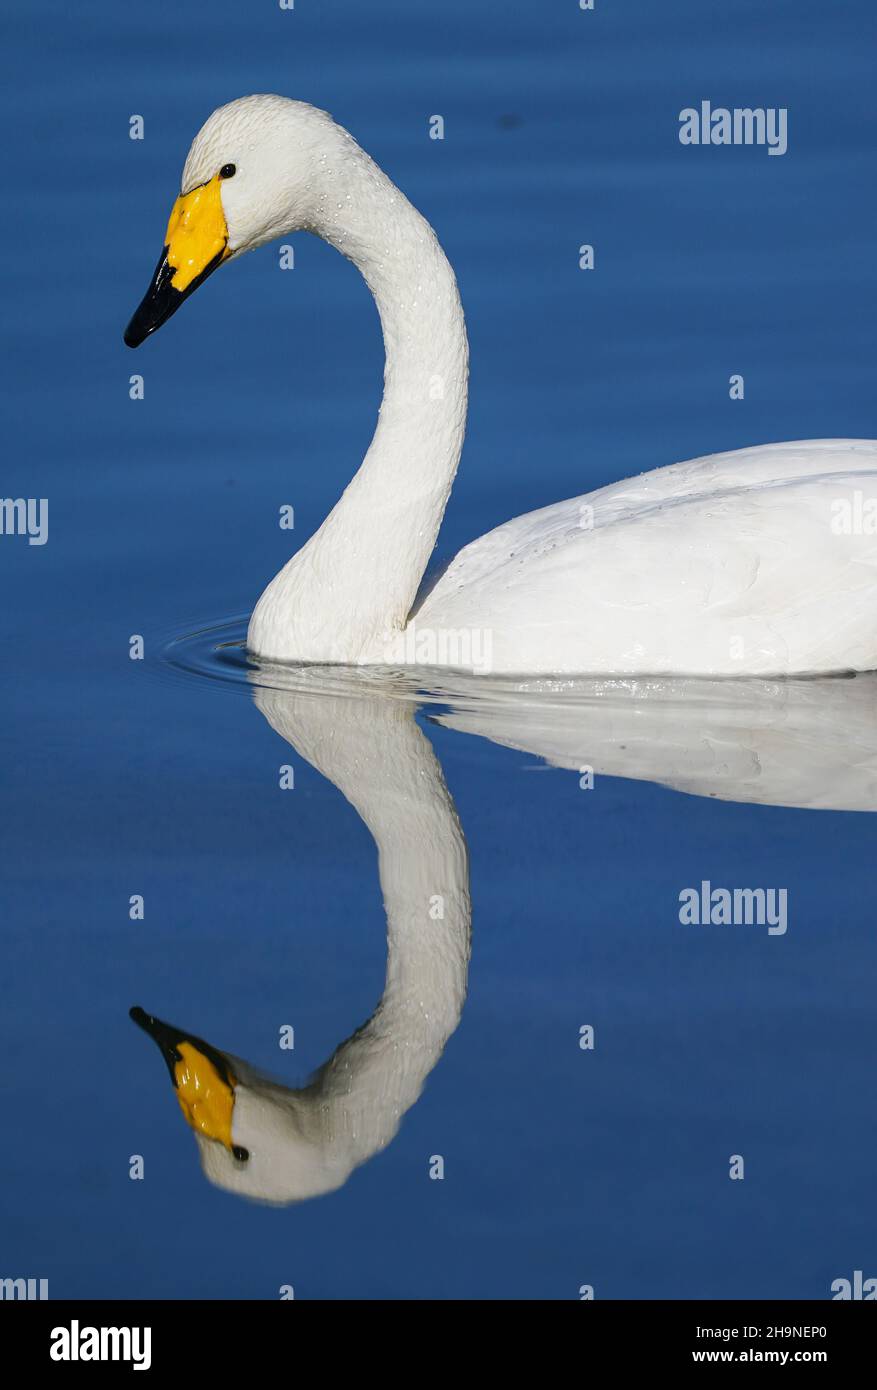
[{"x": 756, "y": 561}]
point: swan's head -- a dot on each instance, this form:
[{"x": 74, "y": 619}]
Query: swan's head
[
  {"x": 253, "y": 173},
  {"x": 255, "y": 1138}
]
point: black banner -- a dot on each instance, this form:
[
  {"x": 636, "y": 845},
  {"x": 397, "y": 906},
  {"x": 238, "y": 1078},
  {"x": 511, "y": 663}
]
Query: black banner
[{"x": 210, "y": 1337}]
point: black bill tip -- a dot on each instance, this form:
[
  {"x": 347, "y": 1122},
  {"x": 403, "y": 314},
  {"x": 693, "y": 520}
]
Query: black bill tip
[
  {"x": 168, "y": 1038},
  {"x": 162, "y": 300},
  {"x": 163, "y": 1035}
]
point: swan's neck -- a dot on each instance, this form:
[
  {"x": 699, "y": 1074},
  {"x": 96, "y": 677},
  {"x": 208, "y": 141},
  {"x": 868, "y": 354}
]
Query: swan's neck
[{"x": 353, "y": 584}]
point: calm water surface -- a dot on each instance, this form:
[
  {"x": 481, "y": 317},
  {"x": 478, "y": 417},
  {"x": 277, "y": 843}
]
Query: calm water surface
[{"x": 263, "y": 907}]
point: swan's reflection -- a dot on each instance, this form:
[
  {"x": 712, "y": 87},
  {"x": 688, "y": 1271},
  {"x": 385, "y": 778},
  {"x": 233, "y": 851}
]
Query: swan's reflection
[
  {"x": 807, "y": 743},
  {"x": 271, "y": 1142},
  {"x": 804, "y": 743}
]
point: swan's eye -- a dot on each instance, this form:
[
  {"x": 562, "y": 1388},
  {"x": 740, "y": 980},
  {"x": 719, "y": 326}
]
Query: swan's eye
[
  {"x": 240, "y": 1153},
  {"x": 228, "y": 171}
]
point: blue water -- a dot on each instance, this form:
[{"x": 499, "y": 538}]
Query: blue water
[{"x": 563, "y": 1167}]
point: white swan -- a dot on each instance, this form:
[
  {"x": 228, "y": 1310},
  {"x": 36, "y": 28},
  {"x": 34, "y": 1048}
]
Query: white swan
[
  {"x": 740, "y": 563},
  {"x": 277, "y": 1144}
]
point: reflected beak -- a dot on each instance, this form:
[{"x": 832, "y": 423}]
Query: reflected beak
[
  {"x": 202, "y": 1078},
  {"x": 196, "y": 242},
  {"x": 165, "y": 1036}
]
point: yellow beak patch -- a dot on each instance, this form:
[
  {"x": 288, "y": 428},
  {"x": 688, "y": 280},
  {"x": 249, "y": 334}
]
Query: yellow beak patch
[
  {"x": 196, "y": 233},
  {"x": 206, "y": 1099}
]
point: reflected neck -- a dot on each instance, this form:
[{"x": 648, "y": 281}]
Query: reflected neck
[{"x": 374, "y": 753}]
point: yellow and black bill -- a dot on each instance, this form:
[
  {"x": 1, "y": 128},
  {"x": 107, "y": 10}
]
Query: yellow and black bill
[
  {"x": 202, "y": 1078},
  {"x": 196, "y": 242}
]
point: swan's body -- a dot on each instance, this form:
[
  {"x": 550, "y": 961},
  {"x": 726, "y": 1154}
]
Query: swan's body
[
  {"x": 725, "y": 565},
  {"x": 729, "y": 565}
]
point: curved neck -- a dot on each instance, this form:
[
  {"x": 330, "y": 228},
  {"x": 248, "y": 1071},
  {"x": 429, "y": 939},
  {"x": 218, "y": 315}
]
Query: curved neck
[{"x": 354, "y": 582}]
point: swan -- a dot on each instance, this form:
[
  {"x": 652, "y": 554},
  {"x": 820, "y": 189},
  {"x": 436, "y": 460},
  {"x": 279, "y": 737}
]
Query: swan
[
  {"x": 279, "y": 1144},
  {"x": 740, "y": 563}
]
